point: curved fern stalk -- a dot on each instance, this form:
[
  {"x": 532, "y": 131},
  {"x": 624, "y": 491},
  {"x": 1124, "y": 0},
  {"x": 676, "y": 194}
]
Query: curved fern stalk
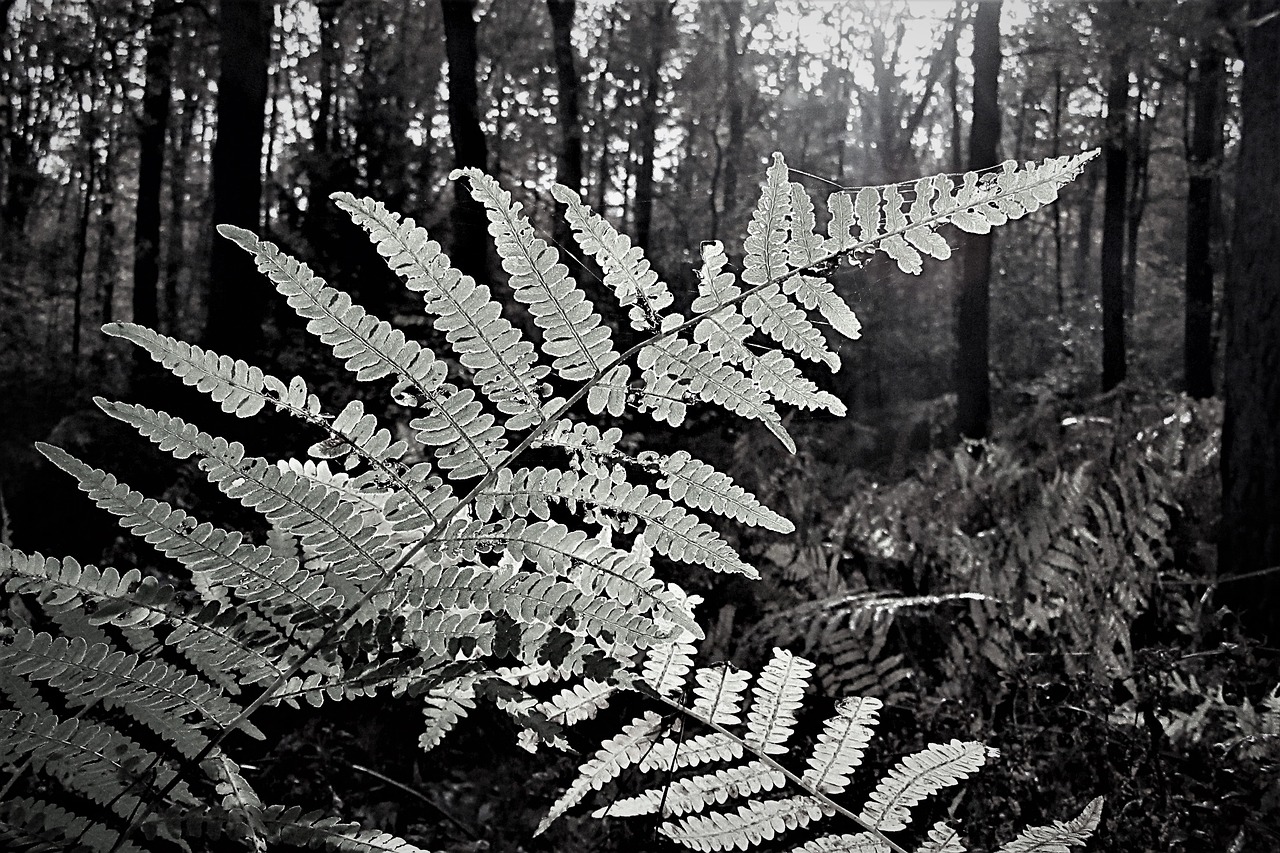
[
  {"x": 354, "y": 546},
  {"x": 463, "y": 437},
  {"x": 573, "y": 334},
  {"x": 626, "y": 271},
  {"x": 506, "y": 368}
]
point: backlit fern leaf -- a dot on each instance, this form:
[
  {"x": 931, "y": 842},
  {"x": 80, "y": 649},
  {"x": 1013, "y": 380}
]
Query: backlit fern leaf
[
  {"x": 942, "y": 839},
  {"x": 154, "y": 693},
  {"x": 626, "y": 271},
  {"x": 777, "y": 696},
  {"x": 315, "y": 830},
  {"x": 1060, "y": 836},
  {"x": 840, "y": 746},
  {"x": 464, "y": 438},
  {"x": 695, "y": 793},
  {"x": 696, "y": 484},
  {"x": 505, "y": 364},
  {"x": 573, "y": 334},
  {"x": 353, "y": 545},
  {"x": 36, "y": 821},
  {"x": 750, "y": 824},
  {"x": 921, "y": 775}
]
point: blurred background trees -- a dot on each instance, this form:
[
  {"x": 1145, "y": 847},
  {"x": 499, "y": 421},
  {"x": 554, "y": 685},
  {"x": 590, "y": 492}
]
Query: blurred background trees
[{"x": 129, "y": 127}]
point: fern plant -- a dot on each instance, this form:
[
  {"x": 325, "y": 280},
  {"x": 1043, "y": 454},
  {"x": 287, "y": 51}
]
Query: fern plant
[{"x": 439, "y": 568}]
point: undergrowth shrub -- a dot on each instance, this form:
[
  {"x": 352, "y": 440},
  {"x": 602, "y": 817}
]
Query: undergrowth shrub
[{"x": 508, "y": 550}]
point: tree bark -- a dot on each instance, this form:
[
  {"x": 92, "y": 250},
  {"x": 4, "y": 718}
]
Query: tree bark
[
  {"x": 470, "y": 245},
  {"x": 1113, "y": 222},
  {"x": 660, "y": 17},
  {"x": 1204, "y": 162},
  {"x": 1249, "y": 538},
  {"x": 237, "y": 293},
  {"x": 973, "y": 414},
  {"x": 152, "y": 127},
  {"x": 569, "y": 162}
]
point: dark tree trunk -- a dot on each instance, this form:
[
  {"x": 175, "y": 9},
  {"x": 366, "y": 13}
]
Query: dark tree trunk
[
  {"x": 736, "y": 127},
  {"x": 569, "y": 161},
  {"x": 237, "y": 293},
  {"x": 182, "y": 140},
  {"x": 152, "y": 127},
  {"x": 660, "y": 16},
  {"x": 320, "y": 158},
  {"x": 973, "y": 414},
  {"x": 1113, "y": 223},
  {"x": 1204, "y": 162},
  {"x": 470, "y": 249},
  {"x": 1249, "y": 538},
  {"x": 108, "y": 260}
]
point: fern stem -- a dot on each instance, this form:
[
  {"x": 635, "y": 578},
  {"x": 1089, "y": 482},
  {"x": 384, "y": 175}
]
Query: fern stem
[{"x": 776, "y": 765}]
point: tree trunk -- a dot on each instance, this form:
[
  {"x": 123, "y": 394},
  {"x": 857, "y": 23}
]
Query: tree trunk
[
  {"x": 569, "y": 162},
  {"x": 320, "y": 158},
  {"x": 1204, "y": 162},
  {"x": 176, "y": 254},
  {"x": 1249, "y": 538},
  {"x": 1113, "y": 223},
  {"x": 237, "y": 293},
  {"x": 152, "y": 126},
  {"x": 470, "y": 247},
  {"x": 660, "y": 17},
  {"x": 736, "y": 128},
  {"x": 973, "y": 415}
]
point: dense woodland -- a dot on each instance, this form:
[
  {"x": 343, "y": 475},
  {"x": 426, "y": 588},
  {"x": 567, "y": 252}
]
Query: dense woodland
[{"x": 1050, "y": 520}]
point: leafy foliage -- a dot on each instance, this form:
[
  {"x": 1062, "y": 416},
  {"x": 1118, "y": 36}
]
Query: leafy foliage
[{"x": 123, "y": 688}]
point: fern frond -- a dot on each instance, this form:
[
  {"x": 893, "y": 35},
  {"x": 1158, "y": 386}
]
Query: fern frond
[
  {"x": 243, "y": 809},
  {"x": 673, "y": 532},
  {"x": 672, "y": 754},
  {"x": 862, "y": 842},
  {"x": 626, "y": 271},
  {"x": 666, "y": 666},
  {"x": 806, "y": 250},
  {"x": 37, "y": 820},
  {"x": 573, "y": 334},
  {"x": 615, "y": 755},
  {"x": 711, "y": 379},
  {"x": 777, "y": 695},
  {"x": 577, "y": 702},
  {"x": 226, "y": 645},
  {"x": 1060, "y": 836},
  {"x": 695, "y": 793},
  {"x": 506, "y": 369},
  {"x": 355, "y": 546},
  {"x": 937, "y": 766},
  {"x": 766, "y": 260},
  {"x": 443, "y": 707},
  {"x": 696, "y": 484},
  {"x": 94, "y": 760},
  {"x": 840, "y": 746},
  {"x": 718, "y": 693},
  {"x": 942, "y": 839},
  {"x": 464, "y": 438},
  {"x": 156, "y": 694},
  {"x": 750, "y": 824},
  {"x": 978, "y": 204},
  {"x": 214, "y": 555},
  {"x": 317, "y": 831}
]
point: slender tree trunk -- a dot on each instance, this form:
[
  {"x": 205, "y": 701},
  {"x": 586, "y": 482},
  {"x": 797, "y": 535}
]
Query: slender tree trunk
[
  {"x": 470, "y": 249},
  {"x": 237, "y": 295},
  {"x": 660, "y": 17},
  {"x": 320, "y": 160},
  {"x": 973, "y": 417},
  {"x": 1204, "y": 164},
  {"x": 176, "y": 254},
  {"x": 152, "y": 127},
  {"x": 1113, "y": 223},
  {"x": 107, "y": 264},
  {"x": 736, "y": 120},
  {"x": 1249, "y": 538},
  {"x": 569, "y": 161},
  {"x": 1056, "y": 209}
]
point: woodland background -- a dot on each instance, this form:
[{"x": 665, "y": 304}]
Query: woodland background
[{"x": 1070, "y": 583}]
